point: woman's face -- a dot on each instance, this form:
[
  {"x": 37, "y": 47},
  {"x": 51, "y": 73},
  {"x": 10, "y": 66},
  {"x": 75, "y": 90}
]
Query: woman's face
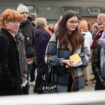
[
  {"x": 100, "y": 23},
  {"x": 103, "y": 21},
  {"x": 13, "y": 26},
  {"x": 72, "y": 24}
]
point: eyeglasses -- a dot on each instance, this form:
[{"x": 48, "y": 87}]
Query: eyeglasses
[{"x": 73, "y": 22}]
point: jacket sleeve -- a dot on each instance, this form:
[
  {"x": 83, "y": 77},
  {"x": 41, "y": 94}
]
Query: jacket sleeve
[
  {"x": 5, "y": 75},
  {"x": 51, "y": 56}
]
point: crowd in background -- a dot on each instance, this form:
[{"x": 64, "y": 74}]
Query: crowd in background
[{"x": 29, "y": 45}]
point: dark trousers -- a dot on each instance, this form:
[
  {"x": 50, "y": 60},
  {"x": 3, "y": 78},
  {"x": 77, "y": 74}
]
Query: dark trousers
[
  {"x": 99, "y": 86},
  {"x": 38, "y": 82},
  {"x": 32, "y": 72},
  {"x": 25, "y": 89}
]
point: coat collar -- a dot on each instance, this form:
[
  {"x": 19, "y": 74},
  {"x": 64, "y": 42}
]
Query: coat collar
[{"x": 6, "y": 33}]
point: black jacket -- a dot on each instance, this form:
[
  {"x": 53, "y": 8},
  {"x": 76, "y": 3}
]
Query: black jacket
[
  {"x": 28, "y": 31},
  {"x": 10, "y": 77}
]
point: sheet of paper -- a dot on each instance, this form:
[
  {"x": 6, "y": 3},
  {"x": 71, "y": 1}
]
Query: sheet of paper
[{"x": 76, "y": 59}]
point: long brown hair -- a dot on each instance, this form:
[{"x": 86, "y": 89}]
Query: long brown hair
[{"x": 75, "y": 40}]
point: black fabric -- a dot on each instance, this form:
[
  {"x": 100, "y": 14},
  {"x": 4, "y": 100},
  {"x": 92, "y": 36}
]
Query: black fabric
[
  {"x": 32, "y": 73},
  {"x": 30, "y": 52},
  {"x": 10, "y": 76},
  {"x": 46, "y": 87},
  {"x": 58, "y": 69},
  {"x": 99, "y": 85},
  {"x": 27, "y": 30},
  {"x": 47, "y": 84}
]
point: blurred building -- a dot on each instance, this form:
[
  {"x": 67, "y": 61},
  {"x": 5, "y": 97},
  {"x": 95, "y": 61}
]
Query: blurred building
[{"x": 52, "y": 9}]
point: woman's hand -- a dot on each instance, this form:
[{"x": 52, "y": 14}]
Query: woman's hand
[
  {"x": 29, "y": 61},
  {"x": 68, "y": 62}
]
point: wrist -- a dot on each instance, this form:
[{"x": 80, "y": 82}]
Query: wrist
[{"x": 62, "y": 61}]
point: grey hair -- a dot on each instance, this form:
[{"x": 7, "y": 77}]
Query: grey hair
[{"x": 41, "y": 22}]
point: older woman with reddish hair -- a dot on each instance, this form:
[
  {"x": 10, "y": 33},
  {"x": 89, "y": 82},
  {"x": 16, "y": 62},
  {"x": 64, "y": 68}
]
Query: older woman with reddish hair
[{"x": 10, "y": 76}]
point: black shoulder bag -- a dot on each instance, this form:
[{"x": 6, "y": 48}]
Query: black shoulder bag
[{"x": 48, "y": 83}]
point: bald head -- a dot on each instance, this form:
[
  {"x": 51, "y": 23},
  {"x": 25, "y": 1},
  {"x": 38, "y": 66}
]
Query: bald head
[
  {"x": 100, "y": 17},
  {"x": 101, "y": 21}
]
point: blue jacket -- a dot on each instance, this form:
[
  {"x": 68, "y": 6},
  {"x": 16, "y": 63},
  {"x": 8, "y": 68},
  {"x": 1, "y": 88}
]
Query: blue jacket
[{"x": 54, "y": 55}]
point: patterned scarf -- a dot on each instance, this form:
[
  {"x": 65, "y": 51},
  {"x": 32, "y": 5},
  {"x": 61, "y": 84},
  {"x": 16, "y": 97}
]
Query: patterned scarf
[
  {"x": 102, "y": 62},
  {"x": 102, "y": 54}
]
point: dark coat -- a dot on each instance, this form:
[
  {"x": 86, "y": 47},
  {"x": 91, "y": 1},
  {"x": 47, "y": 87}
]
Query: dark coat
[
  {"x": 22, "y": 53},
  {"x": 41, "y": 39},
  {"x": 27, "y": 30},
  {"x": 10, "y": 77}
]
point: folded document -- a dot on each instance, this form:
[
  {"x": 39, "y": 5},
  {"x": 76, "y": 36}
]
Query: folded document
[{"x": 77, "y": 61}]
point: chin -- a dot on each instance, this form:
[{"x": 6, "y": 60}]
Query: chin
[
  {"x": 16, "y": 32},
  {"x": 73, "y": 30}
]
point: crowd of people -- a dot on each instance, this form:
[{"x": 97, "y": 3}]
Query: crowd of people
[{"x": 29, "y": 45}]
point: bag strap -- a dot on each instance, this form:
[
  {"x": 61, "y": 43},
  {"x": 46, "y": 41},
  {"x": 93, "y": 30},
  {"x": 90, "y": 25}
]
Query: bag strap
[{"x": 49, "y": 75}]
